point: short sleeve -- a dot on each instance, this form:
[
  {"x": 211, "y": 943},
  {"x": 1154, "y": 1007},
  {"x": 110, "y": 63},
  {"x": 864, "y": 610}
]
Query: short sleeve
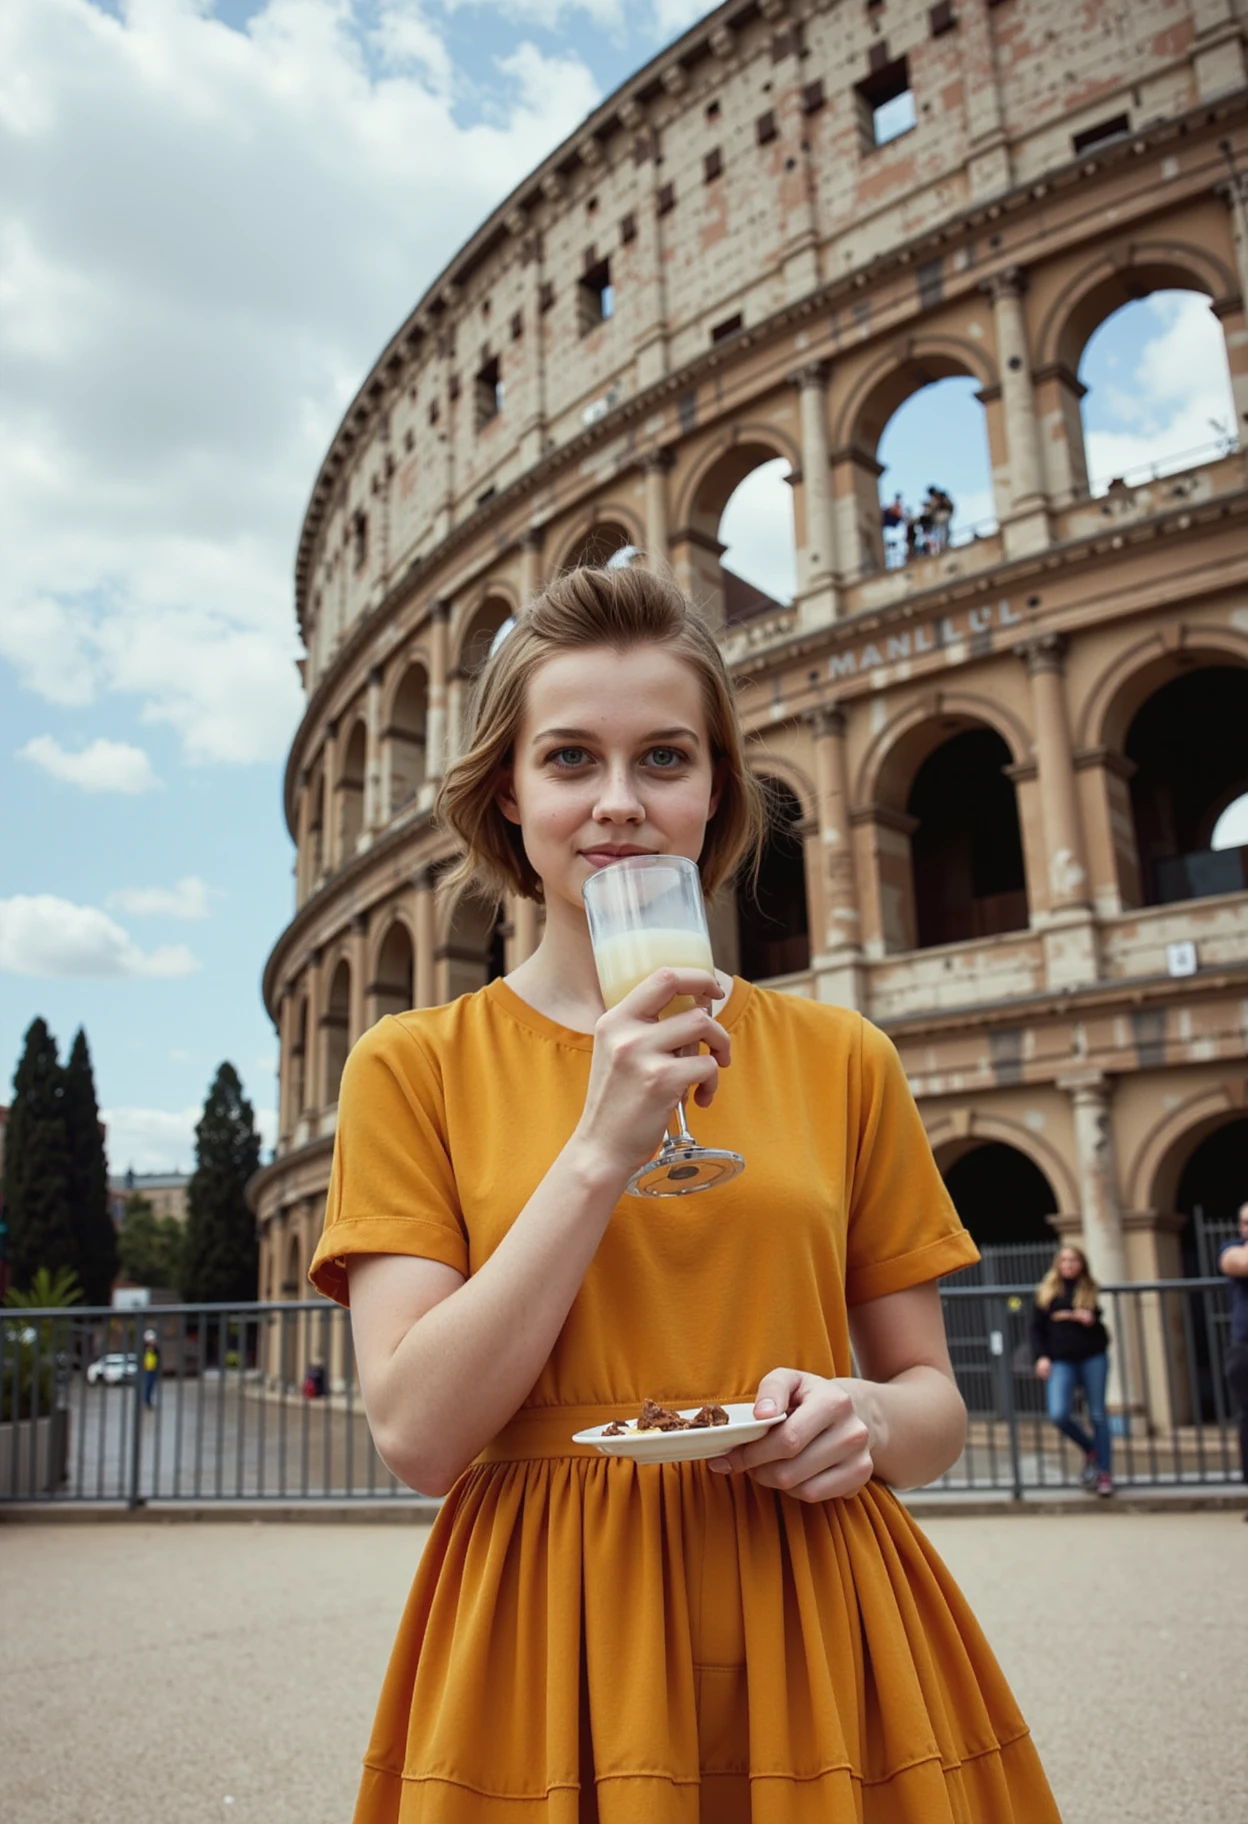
[
  {"x": 392, "y": 1186},
  {"x": 903, "y": 1228}
]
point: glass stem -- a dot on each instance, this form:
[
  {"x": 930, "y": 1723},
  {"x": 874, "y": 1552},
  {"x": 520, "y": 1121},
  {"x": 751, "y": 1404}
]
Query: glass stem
[{"x": 682, "y": 1136}]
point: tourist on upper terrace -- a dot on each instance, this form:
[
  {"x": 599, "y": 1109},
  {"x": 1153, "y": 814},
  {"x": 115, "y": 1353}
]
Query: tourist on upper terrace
[
  {"x": 1233, "y": 1261},
  {"x": 1070, "y": 1346},
  {"x": 761, "y": 1635}
]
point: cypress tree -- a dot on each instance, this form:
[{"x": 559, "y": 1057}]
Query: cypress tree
[
  {"x": 88, "y": 1177},
  {"x": 222, "y": 1257},
  {"x": 37, "y": 1196}
]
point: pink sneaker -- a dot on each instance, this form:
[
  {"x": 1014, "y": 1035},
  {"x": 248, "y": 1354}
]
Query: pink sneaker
[{"x": 1104, "y": 1483}]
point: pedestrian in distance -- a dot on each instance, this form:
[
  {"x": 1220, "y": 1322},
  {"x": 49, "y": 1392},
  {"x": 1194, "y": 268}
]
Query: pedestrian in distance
[
  {"x": 151, "y": 1367},
  {"x": 1070, "y": 1347},
  {"x": 1233, "y": 1261},
  {"x": 761, "y": 1636}
]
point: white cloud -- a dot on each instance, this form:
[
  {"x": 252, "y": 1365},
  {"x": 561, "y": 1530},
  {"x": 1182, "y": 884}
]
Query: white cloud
[
  {"x": 104, "y": 766},
  {"x": 45, "y": 936},
  {"x": 673, "y": 16},
  {"x": 1231, "y": 829},
  {"x": 549, "y": 15},
  {"x": 189, "y": 899},
  {"x": 1176, "y": 400},
  {"x": 163, "y": 1140},
  {"x": 206, "y": 235},
  {"x": 758, "y": 533}
]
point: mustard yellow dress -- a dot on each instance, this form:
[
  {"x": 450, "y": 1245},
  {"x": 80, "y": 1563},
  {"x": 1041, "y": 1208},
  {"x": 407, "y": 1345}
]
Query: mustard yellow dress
[{"x": 589, "y": 1638}]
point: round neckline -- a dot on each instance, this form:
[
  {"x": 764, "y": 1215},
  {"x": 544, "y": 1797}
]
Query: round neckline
[{"x": 520, "y": 1010}]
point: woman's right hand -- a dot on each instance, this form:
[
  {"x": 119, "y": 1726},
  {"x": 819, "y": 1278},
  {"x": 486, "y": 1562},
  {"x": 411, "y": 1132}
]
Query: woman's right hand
[
  {"x": 1043, "y": 1364},
  {"x": 643, "y": 1065}
]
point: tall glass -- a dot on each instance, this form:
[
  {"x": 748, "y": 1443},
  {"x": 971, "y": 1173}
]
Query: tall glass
[{"x": 646, "y": 912}]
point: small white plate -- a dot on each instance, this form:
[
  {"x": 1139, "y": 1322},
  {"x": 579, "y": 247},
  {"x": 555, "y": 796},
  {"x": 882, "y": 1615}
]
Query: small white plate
[{"x": 682, "y": 1446}]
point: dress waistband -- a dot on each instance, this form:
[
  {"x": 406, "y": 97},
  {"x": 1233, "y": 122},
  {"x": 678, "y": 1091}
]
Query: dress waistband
[{"x": 546, "y": 1431}]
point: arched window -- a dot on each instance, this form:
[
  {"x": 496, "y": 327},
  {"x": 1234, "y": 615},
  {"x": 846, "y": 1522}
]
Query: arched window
[
  {"x": 773, "y": 932},
  {"x": 405, "y": 737},
  {"x": 739, "y": 554},
  {"x": 481, "y": 632},
  {"x": 473, "y": 953},
  {"x": 336, "y": 1021},
  {"x": 966, "y": 848},
  {"x": 316, "y": 857},
  {"x": 351, "y": 791},
  {"x": 606, "y": 542},
  {"x": 936, "y": 481},
  {"x": 1005, "y": 1201},
  {"x": 1188, "y": 747},
  {"x": 394, "y": 989},
  {"x": 1157, "y": 393},
  {"x": 1211, "y": 1189}
]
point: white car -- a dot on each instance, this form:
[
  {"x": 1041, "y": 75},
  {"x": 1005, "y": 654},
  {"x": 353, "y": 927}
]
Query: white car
[{"x": 112, "y": 1370}]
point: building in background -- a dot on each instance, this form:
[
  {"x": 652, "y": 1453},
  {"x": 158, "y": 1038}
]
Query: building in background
[
  {"x": 165, "y": 1191},
  {"x": 1001, "y": 764}
]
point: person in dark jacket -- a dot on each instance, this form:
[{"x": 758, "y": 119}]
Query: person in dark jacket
[
  {"x": 1070, "y": 1346},
  {"x": 1233, "y": 1261}
]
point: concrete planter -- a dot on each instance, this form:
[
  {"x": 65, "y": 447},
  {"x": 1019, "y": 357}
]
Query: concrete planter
[{"x": 40, "y": 1446}]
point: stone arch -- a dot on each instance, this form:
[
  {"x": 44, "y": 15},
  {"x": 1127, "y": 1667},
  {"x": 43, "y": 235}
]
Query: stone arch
[
  {"x": 349, "y": 789},
  {"x": 895, "y": 754},
  {"x": 336, "y": 1023},
  {"x": 300, "y": 1087},
  {"x": 1126, "y": 682},
  {"x": 1117, "y": 277},
  {"x": 392, "y": 967},
  {"x": 469, "y": 948},
  {"x": 953, "y": 1134},
  {"x": 611, "y": 527},
  {"x": 415, "y": 657},
  {"x": 313, "y": 863},
  {"x": 723, "y": 465},
  {"x": 774, "y": 919},
  {"x": 1152, "y": 1174},
  {"x": 477, "y": 623},
  {"x": 405, "y": 733},
  {"x": 767, "y": 765},
  {"x": 900, "y": 371}
]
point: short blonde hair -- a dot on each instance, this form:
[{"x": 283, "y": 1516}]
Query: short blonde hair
[{"x": 619, "y": 607}]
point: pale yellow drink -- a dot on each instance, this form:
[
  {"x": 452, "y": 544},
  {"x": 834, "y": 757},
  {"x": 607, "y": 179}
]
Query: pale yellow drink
[{"x": 628, "y": 957}]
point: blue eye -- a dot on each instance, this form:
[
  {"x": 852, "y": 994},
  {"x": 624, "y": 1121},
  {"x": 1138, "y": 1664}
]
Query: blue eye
[
  {"x": 569, "y": 756},
  {"x": 666, "y": 758}
]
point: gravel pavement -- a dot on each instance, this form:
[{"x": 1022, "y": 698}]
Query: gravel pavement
[{"x": 225, "y": 1672}]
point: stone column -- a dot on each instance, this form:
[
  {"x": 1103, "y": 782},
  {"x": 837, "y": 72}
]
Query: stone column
[
  {"x": 1103, "y": 1239},
  {"x": 1069, "y": 933},
  {"x": 817, "y": 580},
  {"x": 303, "y": 841},
  {"x": 374, "y": 816},
  {"x": 1234, "y": 325},
  {"x": 1027, "y": 528},
  {"x": 436, "y": 727},
  {"x": 426, "y": 937},
  {"x": 357, "y": 1015},
  {"x": 314, "y": 1043},
  {"x": 837, "y": 947},
  {"x": 285, "y": 1065},
  {"x": 1045, "y": 659},
  {"x": 331, "y": 834},
  {"x": 456, "y": 684},
  {"x": 531, "y": 564},
  {"x": 655, "y": 467}
]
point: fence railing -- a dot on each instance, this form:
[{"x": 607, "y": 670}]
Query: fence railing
[{"x": 261, "y": 1402}]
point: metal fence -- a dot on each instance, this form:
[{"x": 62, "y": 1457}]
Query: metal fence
[{"x": 260, "y": 1403}]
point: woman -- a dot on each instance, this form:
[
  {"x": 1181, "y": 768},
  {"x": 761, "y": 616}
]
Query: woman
[
  {"x": 766, "y": 1637},
  {"x": 1070, "y": 1346}
]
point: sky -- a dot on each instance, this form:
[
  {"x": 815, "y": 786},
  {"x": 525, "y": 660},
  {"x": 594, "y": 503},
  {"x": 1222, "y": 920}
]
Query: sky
[{"x": 213, "y": 218}]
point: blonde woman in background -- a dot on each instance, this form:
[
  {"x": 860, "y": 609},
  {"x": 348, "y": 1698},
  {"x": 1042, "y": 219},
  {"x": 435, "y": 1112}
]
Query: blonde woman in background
[{"x": 1070, "y": 1346}]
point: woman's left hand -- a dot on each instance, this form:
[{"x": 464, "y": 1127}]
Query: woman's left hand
[{"x": 823, "y": 1448}]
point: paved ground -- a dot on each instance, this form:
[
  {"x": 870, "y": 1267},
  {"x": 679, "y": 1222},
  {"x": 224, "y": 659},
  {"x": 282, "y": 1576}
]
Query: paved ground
[{"x": 219, "y": 1671}]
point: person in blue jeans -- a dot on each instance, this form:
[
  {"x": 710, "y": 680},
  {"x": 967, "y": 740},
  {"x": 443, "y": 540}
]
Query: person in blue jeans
[{"x": 1070, "y": 1347}]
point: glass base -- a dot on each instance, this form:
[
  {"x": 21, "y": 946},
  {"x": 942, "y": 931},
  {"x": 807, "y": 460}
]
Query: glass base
[{"x": 677, "y": 1171}]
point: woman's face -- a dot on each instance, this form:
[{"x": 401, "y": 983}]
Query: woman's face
[
  {"x": 1070, "y": 1263},
  {"x": 612, "y": 758}
]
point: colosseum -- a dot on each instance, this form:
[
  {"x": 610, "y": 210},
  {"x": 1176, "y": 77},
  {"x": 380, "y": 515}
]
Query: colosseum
[{"x": 998, "y": 761}]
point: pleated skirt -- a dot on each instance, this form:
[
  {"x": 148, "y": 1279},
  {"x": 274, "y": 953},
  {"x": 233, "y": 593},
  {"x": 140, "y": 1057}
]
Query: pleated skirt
[{"x": 589, "y": 1639}]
